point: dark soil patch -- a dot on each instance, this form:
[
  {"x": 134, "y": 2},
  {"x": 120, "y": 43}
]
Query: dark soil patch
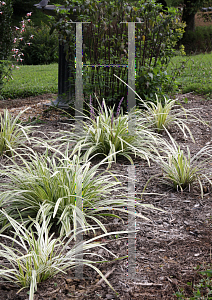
[{"x": 167, "y": 249}]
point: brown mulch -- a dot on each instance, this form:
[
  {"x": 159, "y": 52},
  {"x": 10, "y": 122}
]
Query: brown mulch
[
  {"x": 37, "y": 108},
  {"x": 167, "y": 249}
]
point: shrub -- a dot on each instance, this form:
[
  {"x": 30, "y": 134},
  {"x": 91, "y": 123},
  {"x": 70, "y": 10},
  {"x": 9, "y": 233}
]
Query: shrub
[
  {"x": 6, "y": 31},
  {"x": 5, "y": 73},
  {"x": 43, "y": 47},
  {"x": 105, "y": 42},
  {"x": 5, "y": 38},
  {"x": 198, "y": 41},
  {"x": 154, "y": 80}
]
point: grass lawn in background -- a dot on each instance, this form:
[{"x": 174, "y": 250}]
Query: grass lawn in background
[
  {"x": 194, "y": 75},
  {"x": 31, "y": 81}
]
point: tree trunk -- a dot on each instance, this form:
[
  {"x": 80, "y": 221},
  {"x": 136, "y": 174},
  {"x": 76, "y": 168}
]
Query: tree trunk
[{"x": 189, "y": 16}]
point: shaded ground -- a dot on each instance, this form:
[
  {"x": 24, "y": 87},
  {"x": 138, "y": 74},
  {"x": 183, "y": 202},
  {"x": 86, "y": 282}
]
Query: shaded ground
[{"x": 167, "y": 249}]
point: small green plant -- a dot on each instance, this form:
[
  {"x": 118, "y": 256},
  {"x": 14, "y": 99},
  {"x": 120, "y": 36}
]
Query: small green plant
[
  {"x": 163, "y": 115},
  {"x": 202, "y": 290},
  {"x": 160, "y": 116},
  {"x": 12, "y": 133},
  {"x": 180, "y": 170},
  {"x": 40, "y": 255},
  {"x": 34, "y": 120}
]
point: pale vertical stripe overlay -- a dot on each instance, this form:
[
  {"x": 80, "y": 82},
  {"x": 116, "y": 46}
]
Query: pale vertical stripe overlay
[
  {"x": 78, "y": 117},
  {"x": 78, "y": 83},
  {"x": 131, "y": 168}
]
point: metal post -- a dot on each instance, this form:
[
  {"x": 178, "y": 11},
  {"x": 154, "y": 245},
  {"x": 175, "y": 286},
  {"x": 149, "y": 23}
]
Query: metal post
[
  {"x": 78, "y": 82},
  {"x": 131, "y": 168},
  {"x": 66, "y": 67},
  {"x": 65, "y": 76}
]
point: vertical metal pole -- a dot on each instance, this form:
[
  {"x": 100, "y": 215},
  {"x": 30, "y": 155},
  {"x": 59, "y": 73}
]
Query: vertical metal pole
[
  {"x": 78, "y": 83},
  {"x": 131, "y": 168},
  {"x": 78, "y": 117},
  {"x": 131, "y": 70},
  {"x": 79, "y": 236},
  {"x": 131, "y": 223}
]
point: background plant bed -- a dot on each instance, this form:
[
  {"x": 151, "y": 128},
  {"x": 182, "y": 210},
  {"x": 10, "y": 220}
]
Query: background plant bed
[{"x": 168, "y": 249}]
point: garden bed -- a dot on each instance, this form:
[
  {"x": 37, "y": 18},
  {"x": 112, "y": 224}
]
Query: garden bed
[{"x": 167, "y": 249}]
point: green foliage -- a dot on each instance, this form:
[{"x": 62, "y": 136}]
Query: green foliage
[
  {"x": 40, "y": 255},
  {"x": 12, "y": 133},
  {"x": 106, "y": 134},
  {"x": 174, "y": 3},
  {"x": 201, "y": 290},
  {"x": 105, "y": 42},
  {"x": 58, "y": 183},
  {"x": 43, "y": 48},
  {"x": 161, "y": 116},
  {"x": 180, "y": 170},
  {"x": 152, "y": 76},
  {"x": 5, "y": 73},
  {"x": 6, "y": 31},
  {"x": 5, "y": 38},
  {"x": 198, "y": 41},
  {"x": 154, "y": 80}
]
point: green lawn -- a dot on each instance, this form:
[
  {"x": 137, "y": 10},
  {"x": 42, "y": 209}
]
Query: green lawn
[
  {"x": 32, "y": 80},
  {"x": 195, "y": 75}
]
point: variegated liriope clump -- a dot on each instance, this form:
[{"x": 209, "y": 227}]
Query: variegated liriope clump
[
  {"x": 37, "y": 255},
  {"x": 164, "y": 114},
  {"x": 12, "y": 133},
  {"x": 180, "y": 169},
  {"x": 60, "y": 183},
  {"x": 106, "y": 133}
]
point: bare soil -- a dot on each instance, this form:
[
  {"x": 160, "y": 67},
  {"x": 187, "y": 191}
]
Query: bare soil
[
  {"x": 167, "y": 249},
  {"x": 199, "y": 19}
]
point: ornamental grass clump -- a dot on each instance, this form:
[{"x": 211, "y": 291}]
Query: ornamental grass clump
[
  {"x": 163, "y": 115},
  {"x": 106, "y": 133},
  {"x": 159, "y": 116},
  {"x": 12, "y": 133},
  {"x": 181, "y": 170},
  {"x": 36, "y": 255},
  {"x": 58, "y": 184}
]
